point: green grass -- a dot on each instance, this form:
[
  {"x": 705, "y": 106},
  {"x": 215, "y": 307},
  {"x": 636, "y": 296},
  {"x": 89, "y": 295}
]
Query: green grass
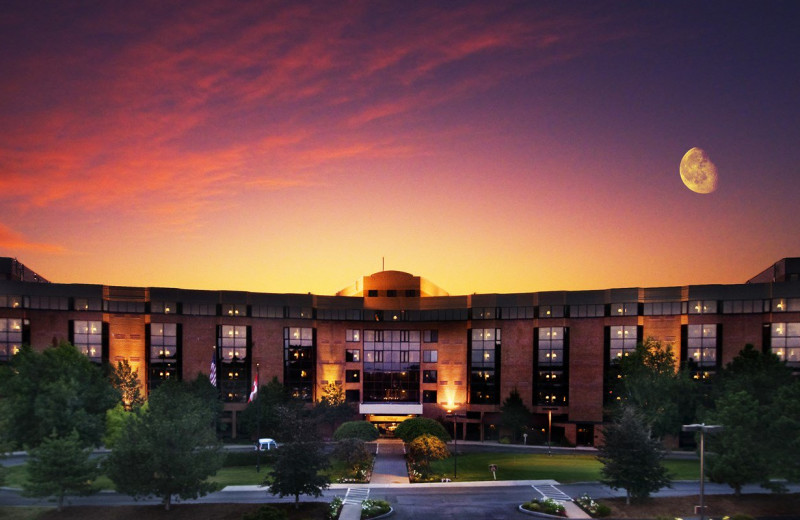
[
  {"x": 22, "y": 513},
  {"x": 240, "y": 476},
  {"x": 524, "y": 466}
]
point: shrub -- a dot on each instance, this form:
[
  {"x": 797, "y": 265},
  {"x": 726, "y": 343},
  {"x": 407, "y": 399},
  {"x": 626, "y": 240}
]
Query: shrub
[
  {"x": 372, "y": 508},
  {"x": 356, "y": 430},
  {"x": 410, "y": 429},
  {"x": 547, "y": 506},
  {"x": 595, "y": 509},
  {"x": 266, "y": 513},
  {"x": 505, "y": 440},
  {"x": 335, "y": 508}
]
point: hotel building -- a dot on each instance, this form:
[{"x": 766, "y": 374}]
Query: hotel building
[{"x": 399, "y": 345}]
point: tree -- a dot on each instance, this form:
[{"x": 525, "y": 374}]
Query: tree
[
  {"x": 650, "y": 382},
  {"x": 515, "y": 415},
  {"x": 263, "y": 411},
  {"x": 58, "y": 390},
  {"x": 760, "y": 374},
  {"x": 412, "y": 428},
  {"x": 631, "y": 458},
  {"x": 785, "y": 432},
  {"x": 127, "y": 383},
  {"x": 296, "y": 470},
  {"x": 353, "y": 452},
  {"x": 424, "y": 449},
  {"x": 58, "y": 467},
  {"x": 362, "y": 430},
  {"x": 168, "y": 447},
  {"x": 735, "y": 456},
  {"x": 332, "y": 409}
]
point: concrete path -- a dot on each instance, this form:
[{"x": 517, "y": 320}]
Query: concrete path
[{"x": 390, "y": 463}]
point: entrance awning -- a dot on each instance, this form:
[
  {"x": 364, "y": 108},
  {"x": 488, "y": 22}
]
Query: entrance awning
[{"x": 390, "y": 409}]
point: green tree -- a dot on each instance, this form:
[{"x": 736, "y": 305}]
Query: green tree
[
  {"x": 735, "y": 456},
  {"x": 412, "y": 428},
  {"x": 127, "y": 383},
  {"x": 353, "y": 453},
  {"x": 631, "y": 458},
  {"x": 424, "y": 449},
  {"x": 262, "y": 414},
  {"x": 515, "y": 415},
  {"x": 60, "y": 466},
  {"x": 332, "y": 409},
  {"x": 58, "y": 390},
  {"x": 362, "y": 430},
  {"x": 168, "y": 448},
  {"x": 296, "y": 470},
  {"x": 760, "y": 374},
  {"x": 785, "y": 432},
  {"x": 649, "y": 381}
]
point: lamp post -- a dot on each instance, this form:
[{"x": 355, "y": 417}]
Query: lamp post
[
  {"x": 549, "y": 426},
  {"x": 452, "y": 414},
  {"x": 258, "y": 427},
  {"x": 703, "y": 429}
]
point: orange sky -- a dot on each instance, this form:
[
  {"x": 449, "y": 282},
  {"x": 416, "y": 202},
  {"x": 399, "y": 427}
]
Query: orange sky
[{"x": 489, "y": 147}]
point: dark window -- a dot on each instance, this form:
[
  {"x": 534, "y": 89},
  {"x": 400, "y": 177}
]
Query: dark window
[
  {"x": 372, "y": 293},
  {"x": 410, "y": 293},
  {"x": 429, "y": 376},
  {"x": 484, "y": 364},
  {"x": 430, "y": 336},
  {"x": 352, "y": 355},
  {"x": 352, "y": 396},
  {"x": 429, "y": 396},
  {"x": 352, "y": 376},
  {"x": 299, "y": 362},
  {"x": 391, "y": 293}
]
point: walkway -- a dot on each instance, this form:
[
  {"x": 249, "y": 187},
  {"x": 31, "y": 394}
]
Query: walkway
[{"x": 390, "y": 463}]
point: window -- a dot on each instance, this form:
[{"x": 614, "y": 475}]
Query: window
[
  {"x": 587, "y": 311},
  {"x": 352, "y": 376},
  {"x": 429, "y": 376},
  {"x": 391, "y": 365},
  {"x": 745, "y": 306},
  {"x": 200, "y": 309},
  {"x": 391, "y": 293},
  {"x": 702, "y": 345},
  {"x": 233, "y": 368},
  {"x": 429, "y": 396},
  {"x": 299, "y": 312},
  {"x": 352, "y": 396},
  {"x": 550, "y": 371},
  {"x": 56, "y": 303},
  {"x": 622, "y": 339},
  {"x": 373, "y": 293},
  {"x": 551, "y": 311},
  {"x": 483, "y": 313},
  {"x": 484, "y": 365},
  {"x": 517, "y": 313},
  {"x": 624, "y": 309},
  {"x": 164, "y": 351},
  {"x": 10, "y": 337},
  {"x": 430, "y": 356},
  {"x": 662, "y": 308},
  {"x": 266, "y": 311},
  {"x": 785, "y": 342},
  {"x": 11, "y": 302},
  {"x": 299, "y": 363},
  {"x": 234, "y": 309},
  {"x": 352, "y": 355},
  {"x": 88, "y": 304},
  {"x": 87, "y": 336},
  {"x": 160, "y": 307},
  {"x": 786, "y": 304},
  {"x": 411, "y": 293},
  {"x": 352, "y": 335},
  {"x": 703, "y": 307},
  {"x": 124, "y": 307},
  {"x": 430, "y": 336}
]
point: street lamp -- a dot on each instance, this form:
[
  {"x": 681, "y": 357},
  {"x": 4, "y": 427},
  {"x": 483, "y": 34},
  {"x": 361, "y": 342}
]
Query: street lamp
[
  {"x": 454, "y": 416},
  {"x": 703, "y": 429}
]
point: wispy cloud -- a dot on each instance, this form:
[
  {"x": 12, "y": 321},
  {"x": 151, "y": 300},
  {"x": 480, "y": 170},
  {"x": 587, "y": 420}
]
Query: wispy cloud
[{"x": 14, "y": 241}]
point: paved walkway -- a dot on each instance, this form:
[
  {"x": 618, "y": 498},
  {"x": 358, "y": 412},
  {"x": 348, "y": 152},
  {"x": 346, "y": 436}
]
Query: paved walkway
[{"x": 390, "y": 463}]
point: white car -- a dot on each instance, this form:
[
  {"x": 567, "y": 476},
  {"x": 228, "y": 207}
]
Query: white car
[{"x": 266, "y": 445}]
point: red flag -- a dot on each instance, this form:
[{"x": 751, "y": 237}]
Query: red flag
[{"x": 254, "y": 391}]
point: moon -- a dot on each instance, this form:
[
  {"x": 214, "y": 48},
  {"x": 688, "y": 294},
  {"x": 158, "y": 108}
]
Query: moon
[{"x": 698, "y": 172}]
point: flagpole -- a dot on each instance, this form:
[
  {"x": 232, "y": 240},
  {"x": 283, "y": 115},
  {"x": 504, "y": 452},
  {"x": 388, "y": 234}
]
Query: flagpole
[{"x": 258, "y": 427}]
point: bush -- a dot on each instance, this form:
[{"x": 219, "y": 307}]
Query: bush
[
  {"x": 356, "y": 430},
  {"x": 505, "y": 440},
  {"x": 547, "y": 506},
  {"x": 266, "y": 513},
  {"x": 595, "y": 509},
  {"x": 410, "y": 429},
  {"x": 372, "y": 508}
]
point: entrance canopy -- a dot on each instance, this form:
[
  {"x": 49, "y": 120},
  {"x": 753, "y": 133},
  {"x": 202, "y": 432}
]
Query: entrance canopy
[{"x": 390, "y": 409}]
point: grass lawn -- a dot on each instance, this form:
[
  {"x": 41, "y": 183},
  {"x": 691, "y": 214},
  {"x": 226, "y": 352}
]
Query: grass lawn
[{"x": 535, "y": 466}]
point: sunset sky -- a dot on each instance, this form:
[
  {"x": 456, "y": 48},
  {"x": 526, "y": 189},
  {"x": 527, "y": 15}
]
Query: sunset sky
[{"x": 486, "y": 146}]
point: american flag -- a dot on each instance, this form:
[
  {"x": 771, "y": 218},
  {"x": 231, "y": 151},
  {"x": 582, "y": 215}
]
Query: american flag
[{"x": 212, "y": 375}]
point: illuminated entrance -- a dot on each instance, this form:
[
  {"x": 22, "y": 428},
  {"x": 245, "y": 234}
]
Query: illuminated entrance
[{"x": 387, "y": 416}]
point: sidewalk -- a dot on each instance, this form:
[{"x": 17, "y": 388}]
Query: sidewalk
[{"x": 390, "y": 463}]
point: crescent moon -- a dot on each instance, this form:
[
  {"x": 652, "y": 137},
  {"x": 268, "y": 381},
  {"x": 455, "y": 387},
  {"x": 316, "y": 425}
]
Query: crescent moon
[{"x": 698, "y": 172}]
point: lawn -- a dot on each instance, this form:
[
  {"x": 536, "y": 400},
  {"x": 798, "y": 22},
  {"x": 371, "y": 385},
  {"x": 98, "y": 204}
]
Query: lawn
[{"x": 535, "y": 466}]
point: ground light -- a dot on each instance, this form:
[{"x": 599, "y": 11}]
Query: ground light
[{"x": 703, "y": 429}]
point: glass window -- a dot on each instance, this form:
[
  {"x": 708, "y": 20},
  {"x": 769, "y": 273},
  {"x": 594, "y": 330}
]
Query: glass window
[
  {"x": 429, "y": 376},
  {"x": 233, "y": 343},
  {"x": 10, "y": 337},
  {"x": 483, "y": 313},
  {"x": 429, "y": 396},
  {"x": 352, "y": 335},
  {"x": 430, "y": 336},
  {"x": 745, "y": 306},
  {"x": 87, "y": 336},
  {"x": 234, "y": 309},
  {"x": 484, "y": 366},
  {"x": 702, "y": 345},
  {"x": 352, "y": 376},
  {"x": 587, "y": 311},
  {"x": 430, "y": 356},
  {"x": 164, "y": 345},
  {"x": 622, "y": 341},
  {"x": 159, "y": 307},
  {"x": 624, "y": 309},
  {"x": 785, "y": 342},
  {"x": 551, "y": 311},
  {"x": 703, "y": 307},
  {"x": 662, "y": 308},
  {"x": 352, "y": 355}
]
